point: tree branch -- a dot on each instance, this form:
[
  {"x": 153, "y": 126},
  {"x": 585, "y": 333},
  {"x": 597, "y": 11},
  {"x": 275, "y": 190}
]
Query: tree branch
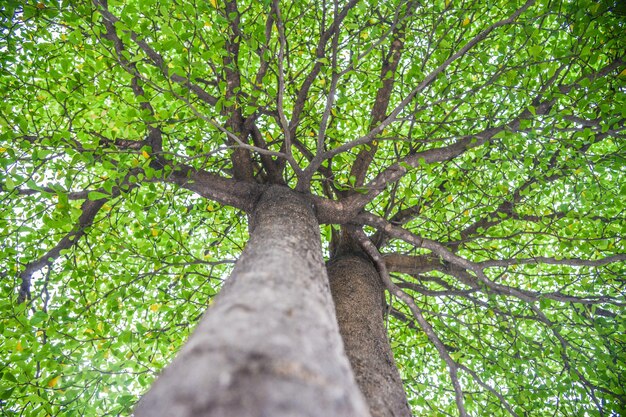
[
  {"x": 89, "y": 210},
  {"x": 154, "y": 138},
  {"x": 156, "y": 58},
  {"x": 476, "y": 268},
  {"x": 553, "y": 261},
  {"x": 281, "y": 90},
  {"x": 372, "y": 251},
  {"x": 303, "y": 92},
  {"x": 383, "y": 95},
  {"x": 243, "y": 168},
  {"x": 232, "y": 192}
]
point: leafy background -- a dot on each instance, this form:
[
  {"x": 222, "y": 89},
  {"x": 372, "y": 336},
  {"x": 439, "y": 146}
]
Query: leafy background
[{"x": 114, "y": 306}]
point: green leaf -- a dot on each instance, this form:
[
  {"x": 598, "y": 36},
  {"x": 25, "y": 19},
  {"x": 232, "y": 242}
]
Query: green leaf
[{"x": 96, "y": 195}]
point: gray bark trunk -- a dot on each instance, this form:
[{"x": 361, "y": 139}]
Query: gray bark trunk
[
  {"x": 359, "y": 301},
  {"x": 269, "y": 345}
]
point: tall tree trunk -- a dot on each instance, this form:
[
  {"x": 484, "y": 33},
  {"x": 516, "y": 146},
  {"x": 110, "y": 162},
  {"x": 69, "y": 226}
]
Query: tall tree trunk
[
  {"x": 359, "y": 301},
  {"x": 269, "y": 345}
]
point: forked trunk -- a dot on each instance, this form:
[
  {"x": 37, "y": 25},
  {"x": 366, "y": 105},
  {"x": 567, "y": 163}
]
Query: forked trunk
[
  {"x": 359, "y": 300},
  {"x": 269, "y": 345}
]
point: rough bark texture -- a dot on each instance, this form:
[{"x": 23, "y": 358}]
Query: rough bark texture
[
  {"x": 269, "y": 345},
  {"x": 359, "y": 301}
]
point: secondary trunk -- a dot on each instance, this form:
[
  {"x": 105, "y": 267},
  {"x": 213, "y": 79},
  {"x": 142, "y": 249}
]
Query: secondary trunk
[
  {"x": 359, "y": 301},
  {"x": 269, "y": 345}
]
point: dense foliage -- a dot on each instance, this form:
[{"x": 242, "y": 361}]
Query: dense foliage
[{"x": 483, "y": 140}]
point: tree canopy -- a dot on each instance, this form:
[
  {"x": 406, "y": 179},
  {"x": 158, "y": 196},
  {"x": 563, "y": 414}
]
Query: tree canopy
[{"x": 476, "y": 146}]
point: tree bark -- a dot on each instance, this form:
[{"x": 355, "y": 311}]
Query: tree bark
[
  {"x": 269, "y": 345},
  {"x": 359, "y": 302}
]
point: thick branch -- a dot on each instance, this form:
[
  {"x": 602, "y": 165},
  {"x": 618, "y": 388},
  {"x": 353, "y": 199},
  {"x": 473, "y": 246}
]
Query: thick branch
[
  {"x": 232, "y": 192},
  {"x": 411, "y": 265},
  {"x": 383, "y": 95},
  {"x": 242, "y": 161}
]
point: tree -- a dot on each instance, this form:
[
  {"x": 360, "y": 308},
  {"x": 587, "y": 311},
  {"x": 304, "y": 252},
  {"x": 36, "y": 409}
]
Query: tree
[{"x": 459, "y": 164}]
